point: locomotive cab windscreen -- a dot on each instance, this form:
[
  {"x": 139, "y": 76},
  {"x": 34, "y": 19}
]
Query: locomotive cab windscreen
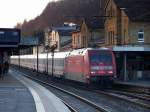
[{"x": 101, "y": 63}]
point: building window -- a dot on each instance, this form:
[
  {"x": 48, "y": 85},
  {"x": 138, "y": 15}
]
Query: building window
[
  {"x": 84, "y": 41},
  {"x": 78, "y": 39},
  {"x": 111, "y": 37},
  {"x": 72, "y": 39},
  {"x": 108, "y": 13},
  {"x": 124, "y": 37},
  {"x": 141, "y": 36}
]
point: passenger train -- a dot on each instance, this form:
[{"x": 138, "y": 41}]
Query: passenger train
[{"x": 82, "y": 65}]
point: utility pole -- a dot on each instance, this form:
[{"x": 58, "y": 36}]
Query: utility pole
[
  {"x": 47, "y": 63},
  {"x": 47, "y": 47},
  {"x": 37, "y": 64},
  {"x": 52, "y": 63},
  {"x": 53, "y": 47},
  {"x": 47, "y": 50}
]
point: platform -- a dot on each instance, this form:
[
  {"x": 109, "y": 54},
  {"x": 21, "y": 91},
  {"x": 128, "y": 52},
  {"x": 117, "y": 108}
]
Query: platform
[
  {"x": 140, "y": 83},
  {"x": 142, "y": 86},
  {"x": 45, "y": 101},
  {"x": 14, "y": 96}
]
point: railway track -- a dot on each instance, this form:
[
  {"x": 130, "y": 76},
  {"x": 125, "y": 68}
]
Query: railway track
[
  {"x": 145, "y": 94},
  {"x": 132, "y": 94},
  {"x": 113, "y": 96},
  {"x": 133, "y": 89},
  {"x": 129, "y": 97},
  {"x": 88, "y": 102},
  {"x": 69, "y": 106}
]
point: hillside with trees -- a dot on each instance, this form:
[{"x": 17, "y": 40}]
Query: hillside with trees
[{"x": 57, "y": 13}]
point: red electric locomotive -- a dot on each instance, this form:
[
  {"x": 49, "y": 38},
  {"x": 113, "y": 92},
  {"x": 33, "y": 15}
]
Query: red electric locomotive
[{"x": 90, "y": 65}]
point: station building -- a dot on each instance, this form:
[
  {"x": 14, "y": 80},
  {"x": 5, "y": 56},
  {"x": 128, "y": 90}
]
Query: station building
[
  {"x": 127, "y": 32},
  {"x": 132, "y": 62}
]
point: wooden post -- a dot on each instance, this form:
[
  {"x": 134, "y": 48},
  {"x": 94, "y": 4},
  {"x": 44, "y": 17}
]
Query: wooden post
[
  {"x": 47, "y": 62},
  {"x": 125, "y": 67},
  {"x": 52, "y": 63}
]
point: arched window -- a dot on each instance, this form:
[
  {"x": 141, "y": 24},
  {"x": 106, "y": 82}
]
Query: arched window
[{"x": 141, "y": 36}]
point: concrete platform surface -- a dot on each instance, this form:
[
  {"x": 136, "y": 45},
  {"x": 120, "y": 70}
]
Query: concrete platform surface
[
  {"x": 138, "y": 83},
  {"x": 45, "y": 101},
  {"x": 14, "y": 96}
]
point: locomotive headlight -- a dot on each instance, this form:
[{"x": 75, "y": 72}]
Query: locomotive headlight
[
  {"x": 110, "y": 72},
  {"x": 92, "y": 72}
]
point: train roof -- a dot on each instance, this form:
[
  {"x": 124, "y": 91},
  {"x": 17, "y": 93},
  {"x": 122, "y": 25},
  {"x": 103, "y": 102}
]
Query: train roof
[
  {"x": 56, "y": 55},
  {"x": 24, "y": 56},
  {"x": 42, "y": 56},
  {"x": 61, "y": 54},
  {"x": 84, "y": 50}
]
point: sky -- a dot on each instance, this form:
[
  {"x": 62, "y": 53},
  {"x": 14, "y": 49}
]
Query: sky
[{"x": 14, "y": 11}]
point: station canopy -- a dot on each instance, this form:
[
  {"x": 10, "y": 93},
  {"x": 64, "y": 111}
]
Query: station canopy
[
  {"x": 9, "y": 37},
  {"x": 128, "y": 48}
]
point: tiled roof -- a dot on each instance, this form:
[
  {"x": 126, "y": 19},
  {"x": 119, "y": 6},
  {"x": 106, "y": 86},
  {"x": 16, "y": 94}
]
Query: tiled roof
[
  {"x": 137, "y": 10},
  {"x": 92, "y": 23},
  {"x": 65, "y": 30},
  {"x": 95, "y": 23}
]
